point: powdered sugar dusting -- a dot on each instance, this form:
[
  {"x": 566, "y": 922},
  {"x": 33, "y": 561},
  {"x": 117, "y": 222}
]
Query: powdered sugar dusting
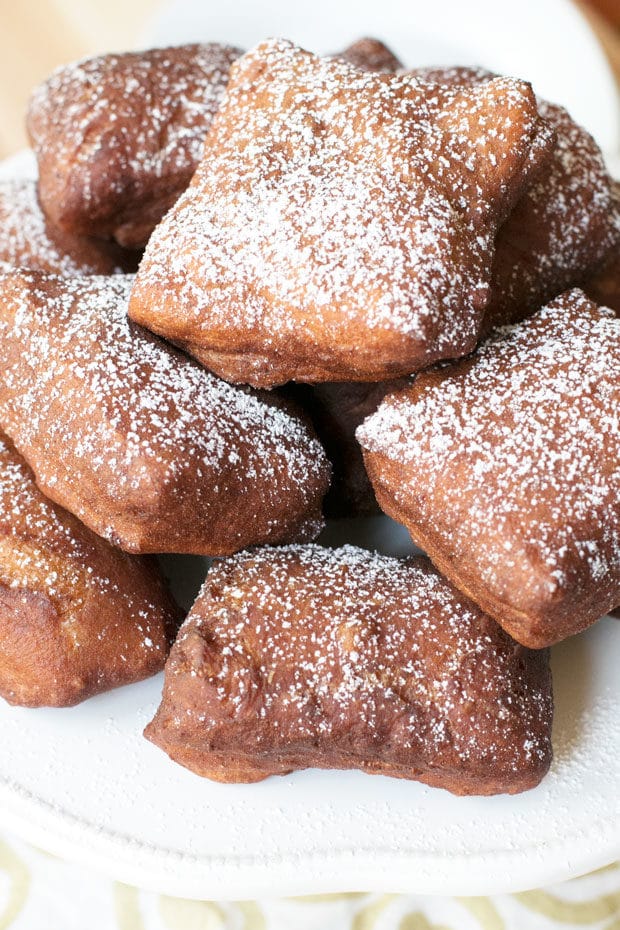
[
  {"x": 329, "y": 197},
  {"x": 530, "y": 431},
  {"x": 120, "y": 132},
  {"x": 28, "y": 241},
  {"x": 564, "y": 224},
  {"x": 118, "y": 404},
  {"x": 361, "y": 648}
]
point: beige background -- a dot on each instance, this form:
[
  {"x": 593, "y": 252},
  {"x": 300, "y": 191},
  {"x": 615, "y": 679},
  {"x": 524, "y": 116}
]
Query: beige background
[{"x": 38, "y": 35}]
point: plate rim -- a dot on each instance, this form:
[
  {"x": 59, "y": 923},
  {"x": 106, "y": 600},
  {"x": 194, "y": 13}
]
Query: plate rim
[{"x": 381, "y": 870}]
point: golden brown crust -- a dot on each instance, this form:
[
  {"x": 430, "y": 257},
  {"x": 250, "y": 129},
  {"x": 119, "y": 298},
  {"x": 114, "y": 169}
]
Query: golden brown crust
[
  {"x": 29, "y": 240},
  {"x": 504, "y": 470},
  {"x": 141, "y": 443},
  {"x": 303, "y": 656},
  {"x": 118, "y": 137},
  {"x": 562, "y": 227},
  {"x": 307, "y": 250},
  {"x": 77, "y": 616},
  {"x": 371, "y": 55}
]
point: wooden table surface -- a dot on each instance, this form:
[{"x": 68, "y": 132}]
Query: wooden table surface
[{"x": 38, "y": 35}]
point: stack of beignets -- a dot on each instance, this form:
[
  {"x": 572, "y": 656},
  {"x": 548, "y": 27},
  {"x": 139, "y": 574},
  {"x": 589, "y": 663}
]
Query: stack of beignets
[{"x": 351, "y": 233}]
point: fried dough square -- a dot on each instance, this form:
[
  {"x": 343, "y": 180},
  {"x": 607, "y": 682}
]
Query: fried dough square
[
  {"x": 505, "y": 470},
  {"x": 303, "y": 656},
  {"x": 77, "y": 616},
  {"x": 147, "y": 448},
  {"x": 118, "y": 137},
  {"x": 341, "y": 224}
]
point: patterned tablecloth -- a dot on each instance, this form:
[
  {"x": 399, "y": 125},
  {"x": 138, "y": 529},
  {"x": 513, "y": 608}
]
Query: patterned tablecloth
[{"x": 40, "y": 892}]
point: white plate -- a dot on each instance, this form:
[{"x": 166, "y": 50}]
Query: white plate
[{"x": 83, "y": 784}]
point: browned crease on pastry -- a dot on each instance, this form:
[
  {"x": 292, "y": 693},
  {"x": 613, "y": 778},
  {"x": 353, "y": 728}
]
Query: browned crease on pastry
[
  {"x": 504, "y": 468},
  {"x": 562, "y": 227},
  {"x": 303, "y": 656},
  {"x": 29, "y": 240},
  {"x": 371, "y": 55},
  {"x": 337, "y": 408},
  {"x": 604, "y": 286},
  {"x": 77, "y": 616},
  {"x": 140, "y": 442},
  {"x": 118, "y": 137},
  {"x": 307, "y": 249}
]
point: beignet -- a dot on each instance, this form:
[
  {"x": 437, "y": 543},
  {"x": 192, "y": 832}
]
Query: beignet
[
  {"x": 118, "y": 137},
  {"x": 77, "y": 616},
  {"x": 371, "y": 55},
  {"x": 303, "y": 656},
  {"x": 504, "y": 469},
  {"x": 29, "y": 240},
  {"x": 307, "y": 249},
  {"x": 336, "y": 409},
  {"x": 140, "y": 442},
  {"x": 562, "y": 227}
]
